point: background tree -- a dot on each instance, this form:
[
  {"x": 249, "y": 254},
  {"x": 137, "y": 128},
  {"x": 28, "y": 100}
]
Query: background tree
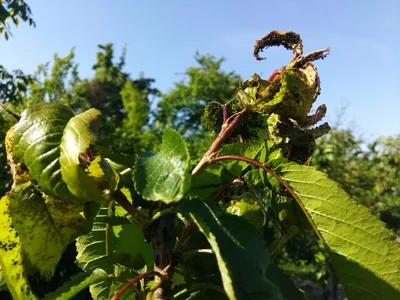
[
  {"x": 183, "y": 107},
  {"x": 136, "y": 114}
]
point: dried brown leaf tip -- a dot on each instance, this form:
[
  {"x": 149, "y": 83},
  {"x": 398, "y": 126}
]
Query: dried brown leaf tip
[{"x": 290, "y": 40}]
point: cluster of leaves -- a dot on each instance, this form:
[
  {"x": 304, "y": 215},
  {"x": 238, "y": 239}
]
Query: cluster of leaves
[
  {"x": 14, "y": 10},
  {"x": 201, "y": 228}
]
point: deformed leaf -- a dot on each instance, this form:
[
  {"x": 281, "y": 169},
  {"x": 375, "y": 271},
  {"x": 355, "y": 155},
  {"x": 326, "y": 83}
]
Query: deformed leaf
[
  {"x": 105, "y": 176},
  {"x": 240, "y": 251},
  {"x": 164, "y": 176},
  {"x": 11, "y": 255},
  {"x": 290, "y": 40},
  {"x": 363, "y": 252},
  {"x": 79, "y": 134},
  {"x": 35, "y": 141},
  {"x": 44, "y": 226}
]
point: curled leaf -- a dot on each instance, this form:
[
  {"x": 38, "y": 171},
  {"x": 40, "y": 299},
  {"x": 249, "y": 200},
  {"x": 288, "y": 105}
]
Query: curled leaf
[
  {"x": 290, "y": 40},
  {"x": 35, "y": 143},
  {"x": 44, "y": 226},
  {"x": 79, "y": 135}
]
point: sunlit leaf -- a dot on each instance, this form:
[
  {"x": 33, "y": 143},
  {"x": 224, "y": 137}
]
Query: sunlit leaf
[
  {"x": 106, "y": 244},
  {"x": 164, "y": 176},
  {"x": 363, "y": 252},
  {"x": 79, "y": 134},
  {"x": 248, "y": 211},
  {"x": 36, "y": 143},
  {"x": 44, "y": 226},
  {"x": 119, "y": 250},
  {"x": 11, "y": 255}
]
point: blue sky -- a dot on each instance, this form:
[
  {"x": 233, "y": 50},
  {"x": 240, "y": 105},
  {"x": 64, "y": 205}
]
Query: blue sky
[{"x": 362, "y": 72}]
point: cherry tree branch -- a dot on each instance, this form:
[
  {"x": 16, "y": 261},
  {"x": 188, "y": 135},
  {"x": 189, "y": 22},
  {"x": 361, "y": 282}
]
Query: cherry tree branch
[
  {"x": 226, "y": 130},
  {"x": 131, "y": 282}
]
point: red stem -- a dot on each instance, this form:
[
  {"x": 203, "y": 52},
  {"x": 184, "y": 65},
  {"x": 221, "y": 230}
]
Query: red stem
[
  {"x": 225, "y": 113},
  {"x": 275, "y": 73},
  {"x": 238, "y": 157},
  {"x": 226, "y": 130},
  {"x": 133, "y": 281},
  {"x": 225, "y": 187}
]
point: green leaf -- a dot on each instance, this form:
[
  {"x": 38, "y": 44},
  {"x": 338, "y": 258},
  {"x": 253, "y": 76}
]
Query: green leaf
[
  {"x": 206, "y": 182},
  {"x": 79, "y": 135},
  {"x": 363, "y": 252},
  {"x": 250, "y": 150},
  {"x": 45, "y": 226},
  {"x": 4, "y": 14},
  {"x": 76, "y": 284},
  {"x": 200, "y": 291},
  {"x": 117, "y": 158},
  {"x": 94, "y": 247},
  {"x": 164, "y": 176},
  {"x": 36, "y": 142},
  {"x": 105, "y": 289},
  {"x": 241, "y": 254},
  {"x": 3, "y": 283},
  {"x": 11, "y": 255},
  {"x": 105, "y": 245},
  {"x": 130, "y": 239},
  {"x": 250, "y": 212},
  {"x": 105, "y": 176}
]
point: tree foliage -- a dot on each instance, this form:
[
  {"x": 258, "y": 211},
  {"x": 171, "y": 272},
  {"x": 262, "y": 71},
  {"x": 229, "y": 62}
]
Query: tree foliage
[{"x": 160, "y": 222}]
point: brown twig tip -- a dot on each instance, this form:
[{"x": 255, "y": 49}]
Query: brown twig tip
[
  {"x": 13, "y": 114},
  {"x": 290, "y": 40}
]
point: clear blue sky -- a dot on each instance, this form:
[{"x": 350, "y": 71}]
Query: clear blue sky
[{"x": 362, "y": 71}]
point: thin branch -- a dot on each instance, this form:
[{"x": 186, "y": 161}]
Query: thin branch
[
  {"x": 133, "y": 281},
  {"x": 238, "y": 157},
  {"x": 183, "y": 239},
  {"x": 225, "y": 113},
  {"x": 220, "y": 192},
  {"x": 109, "y": 212},
  {"x": 13, "y": 114},
  {"x": 264, "y": 166},
  {"x": 226, "y": 130},
  {"x": 121, "y": 200}
]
